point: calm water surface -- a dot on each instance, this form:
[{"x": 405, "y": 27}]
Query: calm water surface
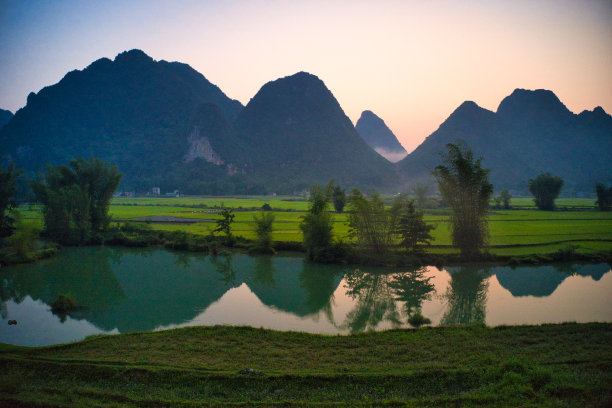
[{"x": 125, "y": 290}]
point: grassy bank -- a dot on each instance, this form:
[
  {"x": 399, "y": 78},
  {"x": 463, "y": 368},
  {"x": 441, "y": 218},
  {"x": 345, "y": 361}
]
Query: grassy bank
[{"x": 551, "y": 365}]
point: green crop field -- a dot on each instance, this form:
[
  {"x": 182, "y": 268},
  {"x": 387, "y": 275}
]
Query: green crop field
[{"x": 517, "y": 231}]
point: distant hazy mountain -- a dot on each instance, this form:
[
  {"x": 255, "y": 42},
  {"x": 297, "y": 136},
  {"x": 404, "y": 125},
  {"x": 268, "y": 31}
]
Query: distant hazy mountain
[
  {"x": 531, "y": 133},
  {"x": 134, "y": 112},
  {"x": 298, "y": 134},
  {"x": 5, "y": 116},
  {"x": 380, "y": 138}
]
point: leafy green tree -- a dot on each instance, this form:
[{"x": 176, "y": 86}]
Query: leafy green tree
[
  {"x": 545, "y": 188},
  {"x": 317, "y": 225},
  {"x": 8, "y": 180},
  {"x": 421, "y": 191},
  {"x": 76, "y": 199},
  {"x": 339, "y": 198},
  {"x": 371, "y": 224},
  {"x": 225, "y": 224},
  {"x": 465, "y": 186},
  {"x": 263, "y": 230},
  {"x": 411, "y": 228},
  {"x": 503, "y": 199},
  {"x": 604, "y": 197}
]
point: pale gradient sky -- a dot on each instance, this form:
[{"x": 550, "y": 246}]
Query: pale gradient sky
[{"x": 411, "y": 62}]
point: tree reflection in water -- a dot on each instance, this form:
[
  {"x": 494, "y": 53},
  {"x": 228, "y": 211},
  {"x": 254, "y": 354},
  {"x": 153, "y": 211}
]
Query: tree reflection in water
[
  {"x": 413, "y": 288},
  {"x": 466, "y": 296},
  {"x": 264, "y": 271},
  {"x": 375, "y": 302},
  {"x": 223, "y": 264}
]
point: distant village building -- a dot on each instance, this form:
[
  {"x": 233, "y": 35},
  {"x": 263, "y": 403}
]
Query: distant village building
[
  {"x": 155, "y": 191},
  {"x": 175, "y": 193}
]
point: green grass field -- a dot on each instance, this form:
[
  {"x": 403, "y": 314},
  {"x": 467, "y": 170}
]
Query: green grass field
[
  {"x": 521, "y": 231},
  {"x": 566, "y": 365}
]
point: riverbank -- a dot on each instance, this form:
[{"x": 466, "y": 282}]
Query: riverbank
[
  {"x": 549, "y": 365},
  {"x": 143, "y": 235}
]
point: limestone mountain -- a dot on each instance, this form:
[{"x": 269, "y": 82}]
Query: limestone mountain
[
  {"x": 133, "y": 112},
  {"x": 380, "y": 138},
  {"x": 165, "y": 125},
  {"x": 532, "y": 132},
  {"x": 301, "y": 135},
  {"x": 5, "y": 116}
]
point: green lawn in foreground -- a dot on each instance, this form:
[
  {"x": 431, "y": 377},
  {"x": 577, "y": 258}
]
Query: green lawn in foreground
[{"x": 565, "y": 365}]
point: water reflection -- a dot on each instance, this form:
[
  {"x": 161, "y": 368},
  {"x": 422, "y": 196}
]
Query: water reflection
[
  {"x": 127, "y": 290},
  {"x": 375, "y": 301},
  {"x": 466, "y": 296},
  {"x": 543, "y": 280},
  {"x": 413, "y": 288}
]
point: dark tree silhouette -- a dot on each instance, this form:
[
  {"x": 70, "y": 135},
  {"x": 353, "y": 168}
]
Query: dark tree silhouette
[
  {"x": 545, "y": 188},
  {"x": 8, "y": 189},
  {"x": 412, "y": 230},
  {"x": 339, "y": 198},
  {"x": 604, "y": 197}
]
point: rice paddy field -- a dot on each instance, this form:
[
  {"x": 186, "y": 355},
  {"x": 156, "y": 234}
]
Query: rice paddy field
[{"x": 521, "y": 230}]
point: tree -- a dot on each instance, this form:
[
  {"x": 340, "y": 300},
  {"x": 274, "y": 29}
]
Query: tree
[
  {"x": 76, "y": 199},
  {"x": 503, "y": 199},
  {"x": 371, "y": 224},
  {"x": 412, "y": 229},
  {"x": 8, "y": 180},
  {"x": 339, "y": 198},
  {"x": 545, "y": 188},
  {"x": 263, "y": 231},
  {"x": 225, "y": 224},
  {"x": 316, "y": 226},
  {"x": 420, "y": 192},
  {"x": 604, "y": 197},
  {"x": 465, "y": 186},
  {"x": 506, "y": 197}
]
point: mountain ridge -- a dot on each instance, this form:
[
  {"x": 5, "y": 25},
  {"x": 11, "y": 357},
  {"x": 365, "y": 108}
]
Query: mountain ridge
[
  {"x": 379, "y": 137},
  {"x": 531, "y": 132}
]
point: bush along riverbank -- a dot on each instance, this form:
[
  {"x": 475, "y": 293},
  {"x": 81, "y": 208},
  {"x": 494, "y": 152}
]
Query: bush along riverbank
[
  {"x": 549, "y": 365},
  {"x": 142, "y": 235},
  {"x": 132, "y": 234}
]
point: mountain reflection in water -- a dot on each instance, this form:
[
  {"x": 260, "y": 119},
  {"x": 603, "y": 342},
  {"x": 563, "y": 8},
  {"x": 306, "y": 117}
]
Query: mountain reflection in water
[{"x": 124, "y": 290}]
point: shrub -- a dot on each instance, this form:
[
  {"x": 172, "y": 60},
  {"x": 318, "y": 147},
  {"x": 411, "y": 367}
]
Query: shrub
[
  {"x": 545, "y": 188},
  {"x": 417, "y": 320}
]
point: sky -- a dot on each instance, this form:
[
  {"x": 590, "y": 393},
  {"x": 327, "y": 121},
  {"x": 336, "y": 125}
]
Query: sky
[{"x": 410, "y": 62}]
